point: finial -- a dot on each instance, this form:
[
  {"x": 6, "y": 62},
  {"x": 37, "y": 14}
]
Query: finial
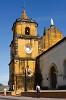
[
  {"x": 52, "y": 23},
  {"x": 44, "y": 31},
  {"x": 24, "y": 15},
  {"x": 24, "y": 7}
]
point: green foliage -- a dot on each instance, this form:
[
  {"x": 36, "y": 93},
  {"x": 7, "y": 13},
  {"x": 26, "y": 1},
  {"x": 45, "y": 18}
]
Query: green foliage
[{"x": 1, "y": 84}]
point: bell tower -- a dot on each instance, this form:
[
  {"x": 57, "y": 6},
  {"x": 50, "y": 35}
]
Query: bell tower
[{"x": 23, "y": 52}]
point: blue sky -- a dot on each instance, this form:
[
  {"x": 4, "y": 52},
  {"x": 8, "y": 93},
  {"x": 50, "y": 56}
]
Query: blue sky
[{"x": 40, "y": 10}]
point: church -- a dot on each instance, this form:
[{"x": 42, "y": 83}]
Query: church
[
  {"x": 50, "y": 70},
  {"x": 36, "y": 59}
]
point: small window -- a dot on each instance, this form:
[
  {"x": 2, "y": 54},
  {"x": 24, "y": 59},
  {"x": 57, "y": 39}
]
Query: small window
[{"x": 27, "y": 31}]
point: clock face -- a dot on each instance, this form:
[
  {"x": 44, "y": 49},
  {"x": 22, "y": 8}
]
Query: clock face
[{"x": 28, "y": 48}]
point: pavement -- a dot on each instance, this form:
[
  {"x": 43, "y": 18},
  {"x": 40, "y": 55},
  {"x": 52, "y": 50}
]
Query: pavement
[{"x": 28, "y": 98}]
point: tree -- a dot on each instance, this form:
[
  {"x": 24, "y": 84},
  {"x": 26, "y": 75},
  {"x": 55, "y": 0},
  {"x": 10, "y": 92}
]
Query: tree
[{"x": 1, "y": 84}]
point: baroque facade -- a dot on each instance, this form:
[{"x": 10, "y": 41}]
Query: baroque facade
[
  {"x": 25, "y": 46},
  {"x": 50, "y": 37}
]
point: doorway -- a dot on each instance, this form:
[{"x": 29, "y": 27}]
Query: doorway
[{"x": 53, "y": 78}]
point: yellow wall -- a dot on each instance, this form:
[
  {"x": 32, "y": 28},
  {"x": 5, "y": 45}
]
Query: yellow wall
[
  {"x": 51, "y": 37},
  {"x": 20, "y": 28},
  {"x": 21, "y": 47}
]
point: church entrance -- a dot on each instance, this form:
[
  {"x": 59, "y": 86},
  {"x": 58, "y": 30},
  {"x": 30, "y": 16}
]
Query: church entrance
[{"x": 53, "y": 77}]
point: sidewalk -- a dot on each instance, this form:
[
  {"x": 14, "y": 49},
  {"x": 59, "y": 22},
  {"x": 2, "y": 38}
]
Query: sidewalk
[
  {"x": 15, "y": 98},
  {"x": 27, "y": 98}
]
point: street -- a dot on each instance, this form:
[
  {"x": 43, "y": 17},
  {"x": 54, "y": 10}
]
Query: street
[{"x": 26, "y": 98}]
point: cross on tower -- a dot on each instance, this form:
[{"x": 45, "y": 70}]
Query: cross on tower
[{"x": 24, "y": 7}]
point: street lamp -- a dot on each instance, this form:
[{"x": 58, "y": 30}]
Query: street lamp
[
  {"x": 25, "y": 76},
  {"x": 28, "y": 50},
  {"x": 25, "y": 87}
]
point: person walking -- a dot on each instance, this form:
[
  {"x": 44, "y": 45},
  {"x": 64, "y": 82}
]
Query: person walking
[{"x": 38, "y": 90}]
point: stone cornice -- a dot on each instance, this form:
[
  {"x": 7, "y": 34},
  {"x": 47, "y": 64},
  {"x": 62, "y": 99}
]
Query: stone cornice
[
  {"x": 26, "y": 36},
  {"x": 25, "y": 58},
  {"x": 20, "y": 20}
]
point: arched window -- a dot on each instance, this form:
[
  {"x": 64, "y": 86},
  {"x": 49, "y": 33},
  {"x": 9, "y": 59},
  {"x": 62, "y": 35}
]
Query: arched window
[{"x": 27, "y": 31}]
